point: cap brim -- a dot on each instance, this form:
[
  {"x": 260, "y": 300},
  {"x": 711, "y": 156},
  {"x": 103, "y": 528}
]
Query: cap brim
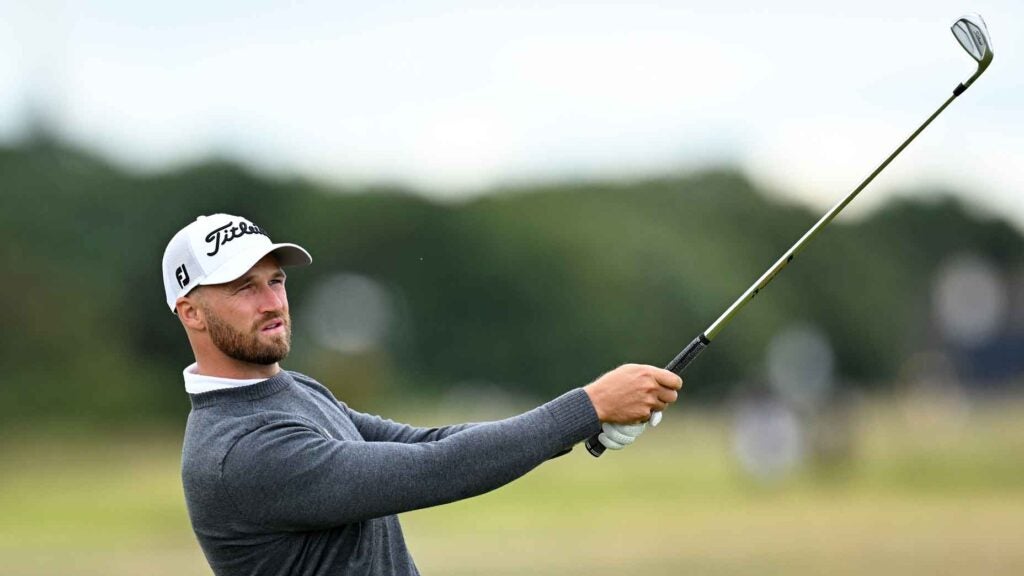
[{"x": 287, "y": 255}]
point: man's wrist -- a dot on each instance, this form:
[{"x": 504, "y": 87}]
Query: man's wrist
[
  {"x": 595, "y": 401},
  {"x": 575, "y": 415}
]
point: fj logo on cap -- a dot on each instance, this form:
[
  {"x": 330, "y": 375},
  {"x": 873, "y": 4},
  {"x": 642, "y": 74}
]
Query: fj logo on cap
[
  {"x": 182, "y": 275},
  {"x": 228, "y": 232}
]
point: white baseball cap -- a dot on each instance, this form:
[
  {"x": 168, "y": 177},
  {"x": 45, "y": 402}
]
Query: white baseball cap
[{"x": 219, "y": 248}]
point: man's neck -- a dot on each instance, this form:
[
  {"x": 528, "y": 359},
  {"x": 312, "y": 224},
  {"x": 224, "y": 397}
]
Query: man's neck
[{"x": 235, "y": 369}]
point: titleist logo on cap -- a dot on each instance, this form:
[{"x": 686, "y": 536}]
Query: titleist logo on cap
[
  {"x": 196, "y": 254},
  {"x": 228, "y": 232}
]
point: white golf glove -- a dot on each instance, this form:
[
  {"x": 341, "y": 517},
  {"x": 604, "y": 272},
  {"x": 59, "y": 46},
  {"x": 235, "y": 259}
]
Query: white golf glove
[{"x": 618, "y": 436}]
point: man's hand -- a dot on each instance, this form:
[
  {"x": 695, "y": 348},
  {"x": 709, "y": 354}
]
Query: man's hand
[
  {"x": 618, "y": 436},
  {"x": 630, "y": 393}
]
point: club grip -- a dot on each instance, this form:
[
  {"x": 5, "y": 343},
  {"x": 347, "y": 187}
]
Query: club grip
[
  {"x": 677, "y": 365},
  {"x": 683, "y": 359}
]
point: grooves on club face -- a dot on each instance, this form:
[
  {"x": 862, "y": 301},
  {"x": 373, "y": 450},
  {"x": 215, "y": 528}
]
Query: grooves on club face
[{"x": 972, "y": 34}]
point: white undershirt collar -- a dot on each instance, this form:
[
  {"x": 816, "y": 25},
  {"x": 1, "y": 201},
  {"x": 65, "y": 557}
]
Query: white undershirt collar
[{"x": 196, "y": 383}]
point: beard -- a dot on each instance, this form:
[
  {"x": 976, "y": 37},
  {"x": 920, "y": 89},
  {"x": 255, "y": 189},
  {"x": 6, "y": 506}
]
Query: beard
[{"x": 247, "y": 346}]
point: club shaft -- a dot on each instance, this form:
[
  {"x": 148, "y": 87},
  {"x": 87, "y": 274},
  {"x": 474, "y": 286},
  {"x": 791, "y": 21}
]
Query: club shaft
[
  {"x": 788, "y": 256},
  {"x": 683, "y": 359}
]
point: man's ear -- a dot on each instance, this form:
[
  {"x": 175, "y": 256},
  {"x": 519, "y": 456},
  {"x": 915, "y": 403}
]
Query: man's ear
[{"x": 190, "y": 313}]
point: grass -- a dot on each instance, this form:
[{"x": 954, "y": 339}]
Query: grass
[{"x": 931, "y": 496}]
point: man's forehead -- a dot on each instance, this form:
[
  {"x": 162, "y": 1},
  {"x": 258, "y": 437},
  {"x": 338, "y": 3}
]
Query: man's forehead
[{"x": 267, "y": 265}]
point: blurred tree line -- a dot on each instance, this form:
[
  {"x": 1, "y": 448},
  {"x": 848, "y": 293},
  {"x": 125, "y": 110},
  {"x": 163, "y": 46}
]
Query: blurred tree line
[{"x": 534, "y": 289}]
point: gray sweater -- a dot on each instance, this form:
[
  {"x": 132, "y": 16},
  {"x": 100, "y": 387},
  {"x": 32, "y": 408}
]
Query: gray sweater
[{"x": 283, "y": 479}]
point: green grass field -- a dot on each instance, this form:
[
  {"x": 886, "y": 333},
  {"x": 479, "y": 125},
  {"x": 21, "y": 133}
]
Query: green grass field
[{"x": 931, "y": 497}]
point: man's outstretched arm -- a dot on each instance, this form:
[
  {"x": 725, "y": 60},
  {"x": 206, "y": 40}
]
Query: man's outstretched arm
[
  {"x": 373, "y": 428},
  {"x": 376, "y": 429},
  {"x": 288, "y": 476}
]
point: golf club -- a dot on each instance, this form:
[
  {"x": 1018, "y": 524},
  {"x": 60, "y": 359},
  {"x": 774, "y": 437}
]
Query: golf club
[{"x": 971, "y": 32}]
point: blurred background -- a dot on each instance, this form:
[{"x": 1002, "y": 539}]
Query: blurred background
[{"x": 502, "y": 202}]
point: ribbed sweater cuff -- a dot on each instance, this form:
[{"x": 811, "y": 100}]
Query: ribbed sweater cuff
[{"x": 576, "y": 416}]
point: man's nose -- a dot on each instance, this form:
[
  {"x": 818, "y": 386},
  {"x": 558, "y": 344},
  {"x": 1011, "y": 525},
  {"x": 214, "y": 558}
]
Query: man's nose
[{"x": 270, "y": 299}]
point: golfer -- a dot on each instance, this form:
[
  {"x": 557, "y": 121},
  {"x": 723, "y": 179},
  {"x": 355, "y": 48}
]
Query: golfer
[{"x": 281, "y": 478}]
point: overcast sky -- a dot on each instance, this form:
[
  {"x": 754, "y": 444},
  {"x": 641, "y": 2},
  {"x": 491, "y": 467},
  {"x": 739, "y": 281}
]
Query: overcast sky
[{"x": 454, "y": 97}]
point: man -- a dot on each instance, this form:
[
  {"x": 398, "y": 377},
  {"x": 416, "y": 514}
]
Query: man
[{"x": 282, "y": 478}]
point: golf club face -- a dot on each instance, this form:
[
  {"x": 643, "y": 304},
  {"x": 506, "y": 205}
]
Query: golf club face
[{"x": 970, "y": 31}]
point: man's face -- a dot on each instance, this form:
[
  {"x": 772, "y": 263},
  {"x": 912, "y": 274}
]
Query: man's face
[{"x": 248, "y": 318}]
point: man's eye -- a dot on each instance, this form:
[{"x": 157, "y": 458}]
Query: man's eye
[{"x": 245, "y": 287}]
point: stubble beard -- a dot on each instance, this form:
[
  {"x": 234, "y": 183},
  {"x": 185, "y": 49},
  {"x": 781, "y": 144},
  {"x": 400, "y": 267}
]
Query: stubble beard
[{"x": 247, "y": 346}]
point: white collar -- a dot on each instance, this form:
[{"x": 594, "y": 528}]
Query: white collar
[{"x": 196, "y": 383}]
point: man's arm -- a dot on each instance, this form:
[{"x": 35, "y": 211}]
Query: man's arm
[
  {"x": 612, "y": 402},
  {"x": 287, "y": 476},
  {"x": 376, "y": 429}
]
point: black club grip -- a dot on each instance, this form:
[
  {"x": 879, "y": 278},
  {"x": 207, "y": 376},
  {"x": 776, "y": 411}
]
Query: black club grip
[{"x": 677, "y": 365}]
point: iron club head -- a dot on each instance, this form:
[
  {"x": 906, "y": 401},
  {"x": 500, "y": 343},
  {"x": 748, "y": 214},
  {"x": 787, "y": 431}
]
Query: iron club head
[{"x": 972, "y": 34}]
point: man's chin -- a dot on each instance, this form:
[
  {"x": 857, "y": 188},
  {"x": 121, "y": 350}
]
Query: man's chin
[
  {"x": 265, "y": 359},
  {"x": 277, "y": 346},
  {"x": 275, "y": 353},
  {"x": 264, "y": 351}
]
